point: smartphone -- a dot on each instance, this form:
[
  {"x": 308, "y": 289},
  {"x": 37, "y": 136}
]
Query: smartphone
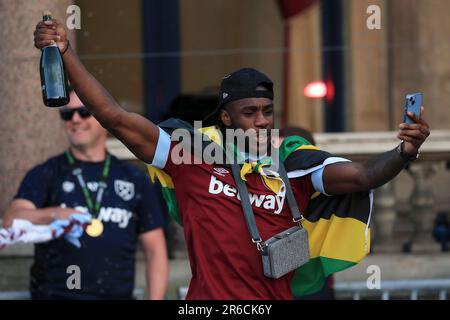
[{"x": 413, "y": 104}]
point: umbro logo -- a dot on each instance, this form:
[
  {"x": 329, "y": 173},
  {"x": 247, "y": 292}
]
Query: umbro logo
[{"x": 221, "y": 171}]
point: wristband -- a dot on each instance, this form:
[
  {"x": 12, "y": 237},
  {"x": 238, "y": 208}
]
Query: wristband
[{"x": 403, "y": 155}]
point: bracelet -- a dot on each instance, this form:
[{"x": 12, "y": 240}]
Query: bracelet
[
  {"x": 67, "y": 46},
  {"x": 403, "y": 155}
]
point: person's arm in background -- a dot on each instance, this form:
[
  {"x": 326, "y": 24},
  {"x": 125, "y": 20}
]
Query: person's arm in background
[
  {"x": 25, "y": 209},
  {"x": 156, "y": 270},
  {"x": 150, "y": 226},
  {"x": 30, "y": 202},
  {"x": 348, "y": 177},
  {"x": 135, "y": 131}
]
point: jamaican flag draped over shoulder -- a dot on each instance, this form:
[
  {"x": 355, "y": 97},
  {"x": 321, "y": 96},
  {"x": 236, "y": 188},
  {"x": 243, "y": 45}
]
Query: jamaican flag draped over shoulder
[{"x": 338, "y": 226}]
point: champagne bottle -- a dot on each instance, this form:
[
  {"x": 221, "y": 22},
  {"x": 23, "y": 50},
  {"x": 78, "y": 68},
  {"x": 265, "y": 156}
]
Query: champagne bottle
[{"x": 54, "y": 84}]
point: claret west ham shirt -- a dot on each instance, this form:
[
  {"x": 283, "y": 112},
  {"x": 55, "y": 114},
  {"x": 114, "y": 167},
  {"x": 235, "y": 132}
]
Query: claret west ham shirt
[{"x": 225, "y": 264}]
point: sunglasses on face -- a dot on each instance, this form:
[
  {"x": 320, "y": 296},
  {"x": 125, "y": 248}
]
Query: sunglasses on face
[{"x": 67, "y": 114}]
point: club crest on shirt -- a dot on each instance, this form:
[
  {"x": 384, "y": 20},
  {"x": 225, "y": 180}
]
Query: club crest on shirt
[
  {"x": 124, "y": 189},
  {"x": 68, "y": 186},
  {"x": 221, "y": 171}
]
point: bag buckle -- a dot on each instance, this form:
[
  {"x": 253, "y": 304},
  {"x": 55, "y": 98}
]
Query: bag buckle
[
  {"x": 258, "y": 244},
  {"x": 299, "y": 220}
]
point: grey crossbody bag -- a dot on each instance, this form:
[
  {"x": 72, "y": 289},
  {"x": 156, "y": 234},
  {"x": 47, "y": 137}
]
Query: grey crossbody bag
[{"x": 285, "y": 251}]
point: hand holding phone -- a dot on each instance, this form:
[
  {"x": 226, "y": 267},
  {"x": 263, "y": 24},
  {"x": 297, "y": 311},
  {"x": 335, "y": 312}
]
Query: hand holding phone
[
  {"x": 413, "y": 104},
  {"x": 412, "y": 132}
]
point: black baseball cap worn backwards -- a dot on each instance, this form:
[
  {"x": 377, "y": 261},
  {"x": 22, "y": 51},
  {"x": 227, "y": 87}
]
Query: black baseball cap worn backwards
[{"x": 242, "y": 84}]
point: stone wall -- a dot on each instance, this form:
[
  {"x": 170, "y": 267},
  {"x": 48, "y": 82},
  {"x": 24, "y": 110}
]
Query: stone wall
[{"x": 30, "y": 132}]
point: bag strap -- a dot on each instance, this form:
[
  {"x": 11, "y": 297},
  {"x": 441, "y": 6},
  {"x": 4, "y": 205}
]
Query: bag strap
[
  {"x": 295, "y": 211},
  {"x": 247, "y": 207}
]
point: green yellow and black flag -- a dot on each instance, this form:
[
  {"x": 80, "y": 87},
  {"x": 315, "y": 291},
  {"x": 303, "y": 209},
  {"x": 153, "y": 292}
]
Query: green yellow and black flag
[{"x": 337, "y": 225}]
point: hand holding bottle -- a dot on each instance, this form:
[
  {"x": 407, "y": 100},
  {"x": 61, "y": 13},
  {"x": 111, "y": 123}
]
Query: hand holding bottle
[{"x": 49, "y": 32}]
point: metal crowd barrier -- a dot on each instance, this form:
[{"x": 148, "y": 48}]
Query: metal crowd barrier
[
  {"x": 395, "y": 289},
  {"x": 437, "y": 289}
]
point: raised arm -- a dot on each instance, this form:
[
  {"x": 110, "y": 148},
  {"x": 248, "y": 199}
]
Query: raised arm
[
  {"x": 348, "y": 177},
  {"x": 135, "y": 131}
]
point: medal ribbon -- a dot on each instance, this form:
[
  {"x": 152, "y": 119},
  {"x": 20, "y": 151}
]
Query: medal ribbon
[{"x": 93, "y": 209}]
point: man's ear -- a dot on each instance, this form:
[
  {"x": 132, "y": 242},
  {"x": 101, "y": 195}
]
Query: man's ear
[{"x": 225, "y": 118}]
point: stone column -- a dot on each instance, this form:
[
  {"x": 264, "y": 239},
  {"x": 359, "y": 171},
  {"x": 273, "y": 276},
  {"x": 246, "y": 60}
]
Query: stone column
[
  {"x": 422, "y": 206},
  {"x": 384, "y": 221},
  {"x": 418, "y": 57},
  {"x": 30, "y": 132},
  {"x": 305, "y": 65},
  {"x": 367, "y": 68}
]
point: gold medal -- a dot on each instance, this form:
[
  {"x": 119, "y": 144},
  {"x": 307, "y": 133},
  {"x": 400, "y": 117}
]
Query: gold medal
[{"x": 95, "y": 228}]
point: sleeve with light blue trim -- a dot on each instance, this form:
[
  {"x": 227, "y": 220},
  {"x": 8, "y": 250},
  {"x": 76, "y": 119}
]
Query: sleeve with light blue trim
[
  {"x": 317, "y": 176},
  {"x": 162, "y": 150},
  {"x": 317, "y": 180}
]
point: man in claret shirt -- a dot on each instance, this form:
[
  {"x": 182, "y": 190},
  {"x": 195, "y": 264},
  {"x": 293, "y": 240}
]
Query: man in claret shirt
[{"x": 225, "y": 263}]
